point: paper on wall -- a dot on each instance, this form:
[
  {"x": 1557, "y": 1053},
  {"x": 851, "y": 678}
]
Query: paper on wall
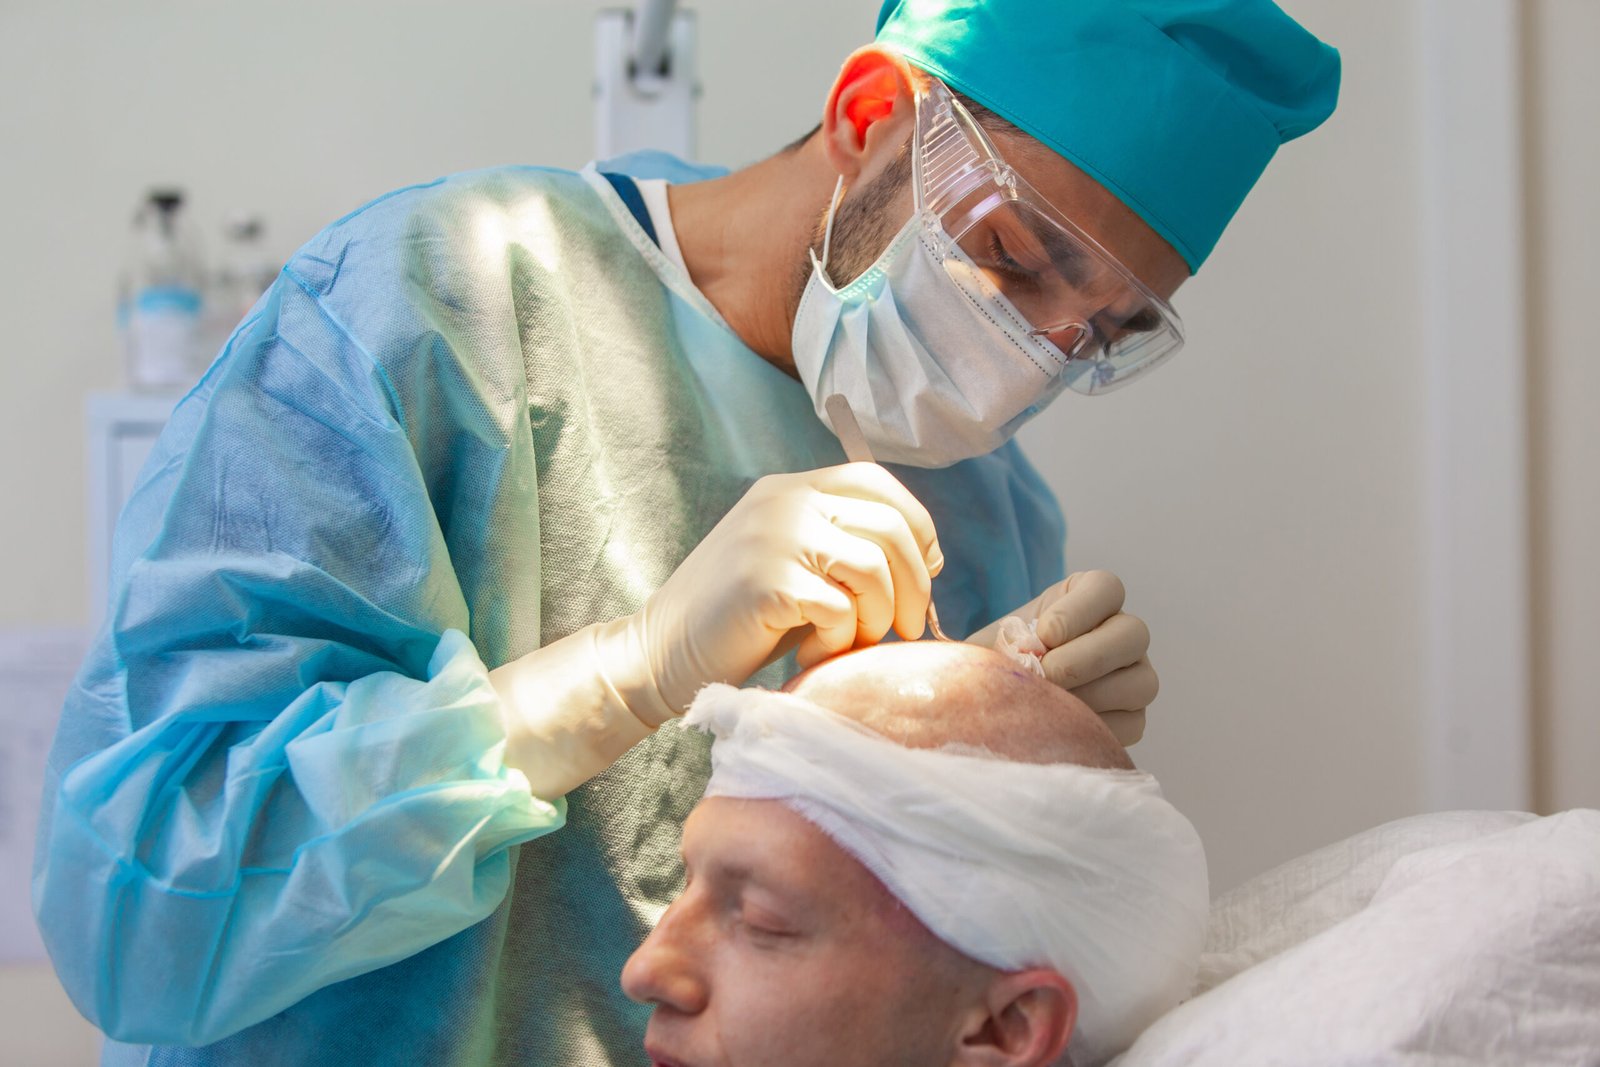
[{"x": 36, "y": 667}]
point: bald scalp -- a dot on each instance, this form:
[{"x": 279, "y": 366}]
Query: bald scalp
[{"x": 927, "y": 694}]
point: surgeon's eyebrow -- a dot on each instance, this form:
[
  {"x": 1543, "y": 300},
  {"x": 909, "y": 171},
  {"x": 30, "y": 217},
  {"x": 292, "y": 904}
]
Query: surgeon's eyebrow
[
  {"x": 1073, "y": 261},
  {"x": 1066, "y": 255}
]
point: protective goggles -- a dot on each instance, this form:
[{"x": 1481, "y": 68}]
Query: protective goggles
[{"x": 1107, "y": 325}]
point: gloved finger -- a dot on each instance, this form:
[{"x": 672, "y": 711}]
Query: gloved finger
[
  {"x": 886, "y": 529},
  {"x": 868, "y": 481},
  {"x": 1127, "y": 725},
  {"x": 830, "y": 609},
  {"x": 788, "y": 643},
  {"x": 1118, "y": 642},
  {"x": 1126, "y": 689},
  {"x": 1079, "y": 604},
  {"x": 812, "y": 652},
  {"x": 858, "y": 566}
]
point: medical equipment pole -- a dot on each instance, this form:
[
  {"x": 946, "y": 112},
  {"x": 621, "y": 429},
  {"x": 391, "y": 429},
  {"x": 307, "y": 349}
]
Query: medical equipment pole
[
  {"x": 645, "y": 80},
  {"x": 652, "y": 22}
]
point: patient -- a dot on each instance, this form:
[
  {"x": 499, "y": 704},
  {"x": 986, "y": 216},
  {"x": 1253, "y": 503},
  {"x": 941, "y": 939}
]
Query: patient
[{"x": 921, "y": 855}]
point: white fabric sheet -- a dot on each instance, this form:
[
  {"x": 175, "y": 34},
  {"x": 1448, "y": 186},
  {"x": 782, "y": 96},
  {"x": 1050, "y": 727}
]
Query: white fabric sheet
[{"x": 1466, "y": 937}]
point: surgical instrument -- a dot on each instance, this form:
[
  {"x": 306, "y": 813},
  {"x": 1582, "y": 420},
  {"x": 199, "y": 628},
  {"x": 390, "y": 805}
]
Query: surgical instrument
[{"x": 856, "y": 450}]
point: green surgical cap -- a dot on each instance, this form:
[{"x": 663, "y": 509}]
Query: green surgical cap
[{"x": 1175, "y": 106}]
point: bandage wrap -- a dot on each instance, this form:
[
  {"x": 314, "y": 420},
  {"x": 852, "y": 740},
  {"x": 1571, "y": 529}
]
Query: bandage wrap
[
  {"x": 1019, "y": 642},
  {"x": 1089, "y": 872}
]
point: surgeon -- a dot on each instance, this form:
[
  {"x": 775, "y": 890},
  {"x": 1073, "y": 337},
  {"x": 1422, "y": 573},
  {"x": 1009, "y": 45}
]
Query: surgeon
[{"x": 505, "y": 467}]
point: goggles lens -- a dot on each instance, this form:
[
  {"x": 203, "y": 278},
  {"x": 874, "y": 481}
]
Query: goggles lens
[{"x": 1072, "y": 293}]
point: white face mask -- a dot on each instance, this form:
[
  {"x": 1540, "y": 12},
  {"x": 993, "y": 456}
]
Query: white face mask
[{"x": 936, "y": 363}]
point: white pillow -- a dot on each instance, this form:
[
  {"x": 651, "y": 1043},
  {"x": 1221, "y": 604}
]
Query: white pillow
[{"x": 1466, "y": 937}]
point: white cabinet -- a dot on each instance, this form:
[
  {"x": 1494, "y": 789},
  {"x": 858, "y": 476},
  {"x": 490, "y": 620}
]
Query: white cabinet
[{"x": 123, "y": 428}]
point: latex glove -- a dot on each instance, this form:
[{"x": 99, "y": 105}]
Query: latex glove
[
  {"x": 1095, "y": 649},
  {"x": 839, "y": 555}
]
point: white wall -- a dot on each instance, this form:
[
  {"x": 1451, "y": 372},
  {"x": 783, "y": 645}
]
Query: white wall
[
  {"x": 1564, "y": 277},
  {"x": 1262, "y": 496}
]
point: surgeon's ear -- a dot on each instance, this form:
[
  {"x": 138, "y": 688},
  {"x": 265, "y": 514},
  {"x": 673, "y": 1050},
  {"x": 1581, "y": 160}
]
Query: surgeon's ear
[
  {"x": 1025, "y": 1020},
  {"x": 870, "y": 114}
]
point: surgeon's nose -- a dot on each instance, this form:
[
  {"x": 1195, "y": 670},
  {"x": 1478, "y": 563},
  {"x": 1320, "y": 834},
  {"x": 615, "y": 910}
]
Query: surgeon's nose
[{"x": 664, "y": 971}]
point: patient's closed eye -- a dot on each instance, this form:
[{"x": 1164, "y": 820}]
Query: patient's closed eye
[{"x": 764, "y": 922}]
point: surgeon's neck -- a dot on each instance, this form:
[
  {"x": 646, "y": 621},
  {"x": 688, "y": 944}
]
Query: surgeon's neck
[{"x": 744, "y": 237}]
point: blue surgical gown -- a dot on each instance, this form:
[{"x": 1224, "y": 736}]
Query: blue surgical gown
[{"x": 468, "y": 419}]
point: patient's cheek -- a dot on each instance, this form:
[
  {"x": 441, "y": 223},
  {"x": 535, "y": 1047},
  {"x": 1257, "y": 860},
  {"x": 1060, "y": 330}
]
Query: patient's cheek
[{"x": 892, "y": 936}]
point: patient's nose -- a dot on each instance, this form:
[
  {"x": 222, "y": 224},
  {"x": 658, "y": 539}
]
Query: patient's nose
[{"x": 664, "y": 971}]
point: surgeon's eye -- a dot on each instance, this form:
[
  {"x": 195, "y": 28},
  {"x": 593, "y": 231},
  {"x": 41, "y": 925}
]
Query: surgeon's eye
[{"x": 1008, "y": 264}]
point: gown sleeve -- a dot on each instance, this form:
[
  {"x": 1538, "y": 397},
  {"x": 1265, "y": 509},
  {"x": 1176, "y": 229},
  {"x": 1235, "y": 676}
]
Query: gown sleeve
[{"x": 281, "y": 765}]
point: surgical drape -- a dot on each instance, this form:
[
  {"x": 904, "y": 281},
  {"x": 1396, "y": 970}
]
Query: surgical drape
[{"x": 468, "y": 419}]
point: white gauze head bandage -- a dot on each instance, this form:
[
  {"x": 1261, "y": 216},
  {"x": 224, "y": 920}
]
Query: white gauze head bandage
[{"x": 1089, "y": 872}]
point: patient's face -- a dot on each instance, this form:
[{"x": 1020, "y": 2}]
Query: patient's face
[{"x": 782, "y": 949}]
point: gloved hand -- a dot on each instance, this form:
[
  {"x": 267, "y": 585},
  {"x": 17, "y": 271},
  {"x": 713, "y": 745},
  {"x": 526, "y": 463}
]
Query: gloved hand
[
  {"x": 1096, "y": 650},
  {"x": 846, "y": 550},
  {"x": 838, "y": 554}
]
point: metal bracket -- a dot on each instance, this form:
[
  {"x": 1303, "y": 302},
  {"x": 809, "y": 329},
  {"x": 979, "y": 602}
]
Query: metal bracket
[{"x": 645, "y": 83}]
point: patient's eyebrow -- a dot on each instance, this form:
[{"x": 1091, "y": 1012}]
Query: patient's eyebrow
[
  {"x": 736, "y": 876},
  {"x": 720, "y": 868},
  {"x": 733, "y": 871}
]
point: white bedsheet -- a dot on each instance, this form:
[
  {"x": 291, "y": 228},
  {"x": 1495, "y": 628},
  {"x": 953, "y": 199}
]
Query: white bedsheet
[{"x": 1467, "y": 937}]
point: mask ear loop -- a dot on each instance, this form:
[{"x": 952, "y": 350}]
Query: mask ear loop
[{"x": 827, "y": 230}]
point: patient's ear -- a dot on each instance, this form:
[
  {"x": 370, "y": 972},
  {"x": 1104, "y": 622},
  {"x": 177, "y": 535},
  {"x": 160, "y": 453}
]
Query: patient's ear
[{"x": 1024, "y": 1020}]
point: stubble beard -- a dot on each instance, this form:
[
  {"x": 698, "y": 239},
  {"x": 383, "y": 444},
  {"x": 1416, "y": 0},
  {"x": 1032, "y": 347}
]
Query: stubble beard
[{"x": 862, "y": 228}]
